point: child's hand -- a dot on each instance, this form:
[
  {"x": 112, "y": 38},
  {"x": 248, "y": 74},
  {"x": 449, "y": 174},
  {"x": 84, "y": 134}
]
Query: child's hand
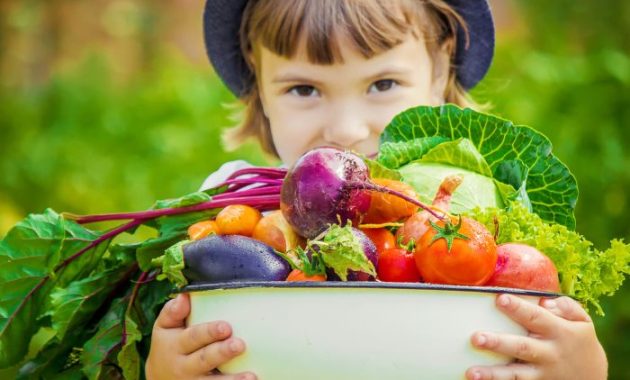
[
  {"x": 561, "y": 344},
  {"x": 180, "y": 352}
]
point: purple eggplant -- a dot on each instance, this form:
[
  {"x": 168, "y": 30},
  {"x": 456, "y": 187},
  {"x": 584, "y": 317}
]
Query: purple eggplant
[{"x": 229, "y": 258}]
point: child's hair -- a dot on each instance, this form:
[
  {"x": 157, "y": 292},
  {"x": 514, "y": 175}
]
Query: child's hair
[{"x": 373, "y": 25}]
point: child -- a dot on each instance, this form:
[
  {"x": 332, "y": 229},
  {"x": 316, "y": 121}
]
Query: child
[{"x": 335, "y": 72}]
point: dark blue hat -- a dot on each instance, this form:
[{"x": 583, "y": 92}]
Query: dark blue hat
[{"x": 222, "y": 22}]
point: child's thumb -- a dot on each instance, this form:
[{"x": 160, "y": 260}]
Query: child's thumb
[{"x": 174, "y": 313}]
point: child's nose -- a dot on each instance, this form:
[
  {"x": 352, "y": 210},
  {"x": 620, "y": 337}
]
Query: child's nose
[{"x": 346, "y": 127}]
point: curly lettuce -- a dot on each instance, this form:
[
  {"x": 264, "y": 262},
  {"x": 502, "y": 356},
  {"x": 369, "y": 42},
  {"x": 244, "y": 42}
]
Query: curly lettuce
[{"x": 586, "y": 273}]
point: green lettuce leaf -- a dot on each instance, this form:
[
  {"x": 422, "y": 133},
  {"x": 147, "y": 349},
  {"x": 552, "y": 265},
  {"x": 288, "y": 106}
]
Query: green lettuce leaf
[{"x": 549, "y": 185}]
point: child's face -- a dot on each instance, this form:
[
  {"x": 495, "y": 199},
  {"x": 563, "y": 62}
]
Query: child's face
[{"x": 347, "y": 104}]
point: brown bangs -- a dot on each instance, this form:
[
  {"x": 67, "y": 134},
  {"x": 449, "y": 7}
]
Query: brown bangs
[{"x": 373, "y": 26}]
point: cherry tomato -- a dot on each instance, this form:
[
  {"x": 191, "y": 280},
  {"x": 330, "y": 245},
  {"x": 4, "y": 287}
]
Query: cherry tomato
[
  {"x": 381, "y": 237},
  {"x": 202, "y": 229},
  {"x": 238, "y": 220},
  {"x": 386, "y": 208},
  {"x": 460, "y": 252},
  {"x": 397, "y": 265}
]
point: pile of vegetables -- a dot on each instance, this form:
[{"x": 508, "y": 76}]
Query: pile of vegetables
[{"x": 454, "y": 196}]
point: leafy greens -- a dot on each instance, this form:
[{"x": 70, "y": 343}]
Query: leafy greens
[
  {"x": 516, "y": 155},
  {"x": 97, "y": 300},
  {"x": 97, "y": 297},
  {"x": 586, "y": 273}
]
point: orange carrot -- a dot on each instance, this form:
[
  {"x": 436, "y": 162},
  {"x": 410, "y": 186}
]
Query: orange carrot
[{"x": 386, "y": 208}]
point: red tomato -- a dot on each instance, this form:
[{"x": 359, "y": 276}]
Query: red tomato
[
  {"x": 381, "y": 237},
  {"x": 470, "y": 259},
  {"x": 397, "y": 265}
]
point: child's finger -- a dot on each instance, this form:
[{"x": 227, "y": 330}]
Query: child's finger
[
  {"x": 523, "y": 348},
  {"x": 507, "y": 372},
  {"x": 211, "y": 356},
  {"x": 534, "y": 318},
  {"x": 174, "y": 313},
  {"x": 198, "y": 336},
  {"x": 567, "y": 308}
]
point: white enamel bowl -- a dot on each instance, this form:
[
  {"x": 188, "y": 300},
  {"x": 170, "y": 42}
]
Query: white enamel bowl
[{"x": 354, "y": 330}]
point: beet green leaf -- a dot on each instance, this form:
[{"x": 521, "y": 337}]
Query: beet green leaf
[{"x": 34, "y": 257}]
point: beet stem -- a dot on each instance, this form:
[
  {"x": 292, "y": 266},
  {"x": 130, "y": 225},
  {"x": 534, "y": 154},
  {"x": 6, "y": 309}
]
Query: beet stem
[
  {"x": 262, "y": 190},
  {"x": 255, "y": 182},
  {"x": 386, "y": 190},
  {"x": 134, "y": 294},
  {"x": 252, "y": 181},
  {"x": 261, "y": 202},
  {"x": 268, "y": 172}
]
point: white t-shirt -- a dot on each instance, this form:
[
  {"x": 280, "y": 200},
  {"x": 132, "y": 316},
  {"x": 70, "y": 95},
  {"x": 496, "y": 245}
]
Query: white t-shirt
[{"x": 223, "y": 173}]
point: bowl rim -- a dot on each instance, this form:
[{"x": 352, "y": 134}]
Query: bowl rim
[{"x": 204, "y": 286}]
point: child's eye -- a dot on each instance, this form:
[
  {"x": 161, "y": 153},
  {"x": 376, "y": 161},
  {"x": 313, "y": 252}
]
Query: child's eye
[
  {"x": 382, "y": 85},
  {"x": 303, "y": 90}
]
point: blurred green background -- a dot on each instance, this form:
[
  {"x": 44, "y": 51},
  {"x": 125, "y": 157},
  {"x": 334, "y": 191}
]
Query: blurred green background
[{"x": 109, "y": 105}]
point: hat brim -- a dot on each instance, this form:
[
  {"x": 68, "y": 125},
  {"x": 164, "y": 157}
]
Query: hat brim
[{"x": 222, "y": 22}]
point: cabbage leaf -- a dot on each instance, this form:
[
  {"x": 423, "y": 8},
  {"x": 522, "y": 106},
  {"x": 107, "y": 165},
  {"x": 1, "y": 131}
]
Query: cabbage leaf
[{"x": 517, "y": 155}]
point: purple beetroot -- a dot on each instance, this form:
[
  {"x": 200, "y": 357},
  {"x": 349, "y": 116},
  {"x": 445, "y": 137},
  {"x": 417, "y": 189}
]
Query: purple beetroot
[
  {"x": 320, "y": 190},
  {"x": 330, "y": 186}
]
